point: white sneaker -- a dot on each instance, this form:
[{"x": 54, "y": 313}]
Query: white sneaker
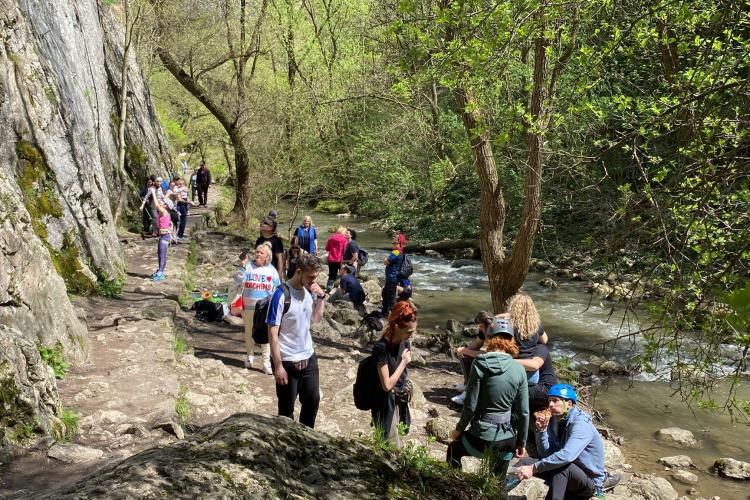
[
  {"x": 460, "y": 387},
  {"x": 267, "y": 368},
  {"x": 249, "y": 361},
  {"x": 459, "y": 400}
]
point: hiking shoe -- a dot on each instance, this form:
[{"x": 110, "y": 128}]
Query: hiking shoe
[
  {"x": 460, "y": 387},
  {"x": 159, "y": 277},
  {"x": 267, "y": 368},
  {"x": 611, "y": 481},
  {"x": 249, "y": 362},
  {"x": 459, "y": 400}
]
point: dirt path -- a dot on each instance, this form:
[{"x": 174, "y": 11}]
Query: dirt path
[{"x": 130, "y": 391}]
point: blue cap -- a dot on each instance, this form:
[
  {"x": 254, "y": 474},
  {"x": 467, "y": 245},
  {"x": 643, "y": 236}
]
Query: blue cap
[
  {"x": 563, "y": 391},
  {"x": 164, "y": 185}
]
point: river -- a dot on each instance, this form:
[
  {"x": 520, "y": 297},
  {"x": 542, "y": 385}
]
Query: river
[{"x": 578, "y": 327}]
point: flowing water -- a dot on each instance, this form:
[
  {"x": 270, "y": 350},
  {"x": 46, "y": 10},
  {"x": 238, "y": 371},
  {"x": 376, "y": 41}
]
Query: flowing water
[{"x": 578, "y": 327}]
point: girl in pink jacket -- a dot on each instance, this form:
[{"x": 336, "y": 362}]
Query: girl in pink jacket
[{"x": 335, "y": 247}]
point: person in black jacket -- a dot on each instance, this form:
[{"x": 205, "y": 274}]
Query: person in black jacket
[{"x": 203, "y": 181}]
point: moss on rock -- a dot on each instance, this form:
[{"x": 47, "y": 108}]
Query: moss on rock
[{"x": 37, "y": 187}]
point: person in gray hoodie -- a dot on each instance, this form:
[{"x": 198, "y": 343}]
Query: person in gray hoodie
[
  {"x": 571, "y": 450},
  {"x": 496, "y": 408}
]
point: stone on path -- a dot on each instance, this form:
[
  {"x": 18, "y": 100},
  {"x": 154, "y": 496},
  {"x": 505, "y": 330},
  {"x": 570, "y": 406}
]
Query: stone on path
[
  {"x": 529, "y": 489},
  {"x": 173, "y": 428},
  {"x": 646, "y": 487},
  {"x": 731, "y": 468},
  {"x": 74, "y": 453},
  {"x": 440, "y": 428},
  {"x": 684, "y": 477},
  {"x": 674, "y": 436},
  {"x": 676, "y": 461}
]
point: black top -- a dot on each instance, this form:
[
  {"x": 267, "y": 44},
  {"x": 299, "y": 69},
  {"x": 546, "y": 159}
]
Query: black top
[
  {"x": 277, "y": 247},
  {"x": 526, "y": 346},
  {"x": 203, "y": 176},
  {"x": 389, "y": 354},
  {"x": 291, "y": 263},
  {"x": 351, "y": 285},
  {"x": 351, "y": 250},
  {"x": 547, "y": 376}
]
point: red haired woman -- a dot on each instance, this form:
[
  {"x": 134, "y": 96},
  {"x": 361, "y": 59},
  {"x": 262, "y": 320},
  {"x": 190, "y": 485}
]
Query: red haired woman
[{"x": 392, "y": 356}]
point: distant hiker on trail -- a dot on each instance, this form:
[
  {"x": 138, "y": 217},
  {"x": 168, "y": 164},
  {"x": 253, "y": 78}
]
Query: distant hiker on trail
[
  {"x": 259, "y": 279},
  {"x": 351, "y": 252},
  {"x": 203, "y": 180},
  {"x": 295, "y": 250},
  {"x": 148, "y": 207},
  {"x": 392, "y": 355},
  {"x": 496, "y": 410},
  {"x": 349, "y": 289},
  {"x": 466, "y": 354},
  {"x": 193, "y": 184},
  {"x": 268, "y": 234},
  {"x": 571, "y": 450},
  {"x": 164, "y": 224},
  {"x": 335, "y": 247},
  {"x": 392, "y": 264},
  {"x": 306, "y": 232},
  {"x": 182, "y": 207},
  {"x": 295, "y": 365}
]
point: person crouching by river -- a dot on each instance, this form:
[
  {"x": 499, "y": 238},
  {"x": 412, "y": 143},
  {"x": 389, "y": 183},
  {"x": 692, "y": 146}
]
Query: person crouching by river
[
  {"x": 392, "y": 355},
  {"x": 496, "y": 409}
]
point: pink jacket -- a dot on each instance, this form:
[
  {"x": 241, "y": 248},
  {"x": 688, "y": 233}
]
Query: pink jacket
[{"x": 335, "y": 247}]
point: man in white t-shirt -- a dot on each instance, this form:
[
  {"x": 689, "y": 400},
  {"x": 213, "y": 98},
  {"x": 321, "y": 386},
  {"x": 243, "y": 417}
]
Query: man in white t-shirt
[{"x": 294, "y": 363}]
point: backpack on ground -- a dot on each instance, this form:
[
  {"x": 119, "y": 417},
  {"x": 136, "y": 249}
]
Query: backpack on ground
[
  {"x": 406, "y": 268},
  {"x": 260, "y": 327},
  {"x": 366, "y": 384},
  {"x": 207, "y": 310},
  {"x": 374, "y": 321},
  {"x": 362, "y": 258}
]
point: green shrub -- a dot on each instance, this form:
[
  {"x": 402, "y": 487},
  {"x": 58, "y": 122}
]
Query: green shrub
[
  {"x": 182, "y": 405},
  {"x": 53, "y": 356},
  {"x": 69, "y": 419},
  {"x": 107, "y": 287},
  {"x": 332, "y": 206}
]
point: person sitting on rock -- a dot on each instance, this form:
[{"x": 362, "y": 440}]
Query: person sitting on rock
[
  {"x": 528, "y": 332},
  {"x": 571, "y": 450},
  {"x": 496, "y": 410},
  {"x": 349, "y": 289},
  {"x": 392, "y": 355},
  {"x": 467, "y": 354}
]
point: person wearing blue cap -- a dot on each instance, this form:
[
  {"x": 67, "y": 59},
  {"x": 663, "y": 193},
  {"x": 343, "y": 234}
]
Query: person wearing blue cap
[
  {"x": 571, "y": 450},
  {"x": 496, "y": 408}
]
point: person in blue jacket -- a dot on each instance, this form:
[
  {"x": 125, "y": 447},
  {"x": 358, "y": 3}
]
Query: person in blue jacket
[
  {"x": 571, "y": 450},
  {"x": 307, "y": 235}
]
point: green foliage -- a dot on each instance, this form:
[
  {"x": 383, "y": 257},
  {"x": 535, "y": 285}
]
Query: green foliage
[
  {"x": 68, "y": 265},
  {"x": 53, "y": 356},
  {"x": 69, "y": 420},
  {"x": 565, "y": 372},
  {"x": 182, "y": 406},
  {"x": 135, "y": 157},
  {"x": 180, "y": 343},
  {"x": 26, "y": 430},
  {"x": 109, "y": 287},
  {"x": 332, "y": 206},
  {"x": 37, "y": 184}
]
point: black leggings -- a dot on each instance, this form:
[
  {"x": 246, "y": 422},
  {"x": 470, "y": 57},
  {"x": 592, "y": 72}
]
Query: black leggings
[
  {"x": 457, "y": 450},
  {"x": 389, "y": 297},
  {"x": 304, "y": 383},
  {"x": 333, "y": 272},
  {"x": 568, "y": 482}
]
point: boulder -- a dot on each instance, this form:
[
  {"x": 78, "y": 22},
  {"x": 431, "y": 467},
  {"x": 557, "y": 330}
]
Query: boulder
[
  {"x": 347, "y": 316},
  {"x": 601, "y": 290},
  {"x": 613, "y": 457},
  {"x": 674, "y": 436},
  {"x": 529, "y": 489},
  {"x": 731, "y": 468},
  {"x": 433, "y": 253},
  {"x": 373, "y": 291},
  {"x": 453, "y": 326},
  {"x": 548, "y": 283},
  {"x": 646, "y": 487},
  {"x": 459, "y": 263},
  {"x": 676, "y": 461},
  {"x": 74, "y": 453},
  {"x": 257, "y": 456},
  {"x": 684, "y": 477},
  {"x": 440, "y": 428},
  {"x": 171, "y": 427},
  {"x": 418, "y": 400},
  {"x": 612, "y": 368}
]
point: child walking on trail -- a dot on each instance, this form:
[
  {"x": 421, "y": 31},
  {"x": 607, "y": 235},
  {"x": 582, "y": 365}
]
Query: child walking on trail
[{"x": 164, "y": 223}]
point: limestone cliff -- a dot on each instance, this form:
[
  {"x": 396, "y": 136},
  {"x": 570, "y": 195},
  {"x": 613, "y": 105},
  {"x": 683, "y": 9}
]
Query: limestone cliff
[{"x": 59, "y": 79}]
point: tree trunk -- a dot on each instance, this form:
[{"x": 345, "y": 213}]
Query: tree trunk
[
  {"x": 124, "y": 189},
  {"x": 492, "y": 204},
  {"x": 442, "y": 245}
]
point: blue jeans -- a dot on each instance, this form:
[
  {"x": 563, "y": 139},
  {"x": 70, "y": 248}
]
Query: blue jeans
[{"x": 182, "y": 209}]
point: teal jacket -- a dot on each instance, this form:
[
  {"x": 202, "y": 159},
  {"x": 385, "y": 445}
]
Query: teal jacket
[{"x": 496, "y": 384}]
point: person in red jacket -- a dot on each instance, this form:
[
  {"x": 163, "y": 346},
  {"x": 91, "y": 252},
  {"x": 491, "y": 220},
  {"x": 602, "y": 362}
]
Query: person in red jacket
[{"x": 335, "y": 247}]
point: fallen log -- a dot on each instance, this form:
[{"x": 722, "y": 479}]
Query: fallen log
[{"x": 440, "y": 246}]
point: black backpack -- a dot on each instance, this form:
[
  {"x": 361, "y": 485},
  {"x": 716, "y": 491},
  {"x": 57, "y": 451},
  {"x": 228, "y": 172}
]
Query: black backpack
[
  {"x": 206, "y": 310},
  {"x": 363, "y": 257},
  {"x": 260, "y": 327},
  {"x": 406, "y": 268},
  {"x": 367, "y": 384}
]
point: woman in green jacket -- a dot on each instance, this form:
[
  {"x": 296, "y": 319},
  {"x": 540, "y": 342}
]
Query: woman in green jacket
[{"x": 496, "y": 408}]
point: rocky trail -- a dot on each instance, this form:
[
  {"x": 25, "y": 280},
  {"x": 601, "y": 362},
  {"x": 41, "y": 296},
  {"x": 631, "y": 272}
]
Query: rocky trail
[{"x": 155, "y": 374}]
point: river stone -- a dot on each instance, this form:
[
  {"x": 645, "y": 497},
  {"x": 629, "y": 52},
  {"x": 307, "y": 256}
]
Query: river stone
[
  {"x": 674, "y": 436},
  {"x": 74, "y": 453},
  {"x": 613, "y": 457},
  {"x": 347, "y": 316},
  {"x": 602, "y": 290},
  {"x": 459, "y": 263},
  {"x": 676, "y": 461},
  {"x": 433, "y": 253},
  {"x": 453, "y": 326},
  {"x": 529, "y": 489},
  {"x": 372, "y": 290},
  {"x": 548, "y": 283},
  {"x": 731, "y": 468},
  {"x": 612, "y": 368},
  {"x": 647, "y": 487},
  {"x": 440, "y": 428},
  {"x": 684, "y": 477},
  {"x": 254, "y": 456}
]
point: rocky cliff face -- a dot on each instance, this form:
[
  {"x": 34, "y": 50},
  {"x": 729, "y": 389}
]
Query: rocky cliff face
[{"x": 59, "y": 78}]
